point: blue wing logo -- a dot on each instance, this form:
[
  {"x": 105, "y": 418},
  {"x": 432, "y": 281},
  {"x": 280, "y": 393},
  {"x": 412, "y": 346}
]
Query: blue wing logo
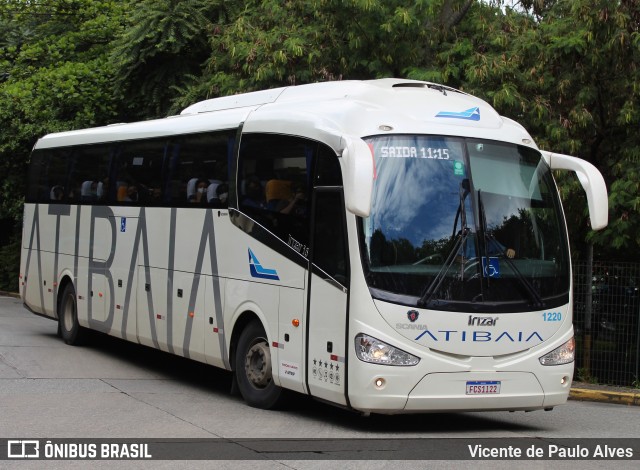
[
  {"x": 471, "y": 114},
  {"x": 260, "y": 272}
]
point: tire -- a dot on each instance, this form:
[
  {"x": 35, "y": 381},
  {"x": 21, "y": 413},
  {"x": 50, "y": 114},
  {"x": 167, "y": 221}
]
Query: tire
[
  {"x": 70, "y": 330},
  {"x": 253, "y": 368}
]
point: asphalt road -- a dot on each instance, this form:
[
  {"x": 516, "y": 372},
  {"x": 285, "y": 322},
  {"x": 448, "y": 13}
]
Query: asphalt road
[{"x": 114, "y": 389}]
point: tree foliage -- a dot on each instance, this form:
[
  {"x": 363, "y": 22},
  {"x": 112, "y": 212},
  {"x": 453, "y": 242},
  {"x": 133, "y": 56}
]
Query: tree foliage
[
  {"x": 270, "y": 43},
  {"x": 55, "y": 75},
  {"x": 163, "y": 44}
]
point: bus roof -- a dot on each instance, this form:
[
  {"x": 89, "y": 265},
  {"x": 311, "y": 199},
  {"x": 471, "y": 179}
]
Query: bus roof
[{"x": 324, "y": 111}]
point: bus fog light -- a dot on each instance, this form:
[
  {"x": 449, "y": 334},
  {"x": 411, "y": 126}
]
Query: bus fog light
[
  {"x": 380, "y": 383},
  {"x": 564, "y": 380},
  {"x": 370, "y": 349},
  {"x": 561, "y": 355}
]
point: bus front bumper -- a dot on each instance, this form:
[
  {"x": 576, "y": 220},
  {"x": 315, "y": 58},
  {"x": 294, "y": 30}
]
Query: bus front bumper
[
  {"x": 473, "y": 391},
  {"x": 476, "y": 391}
]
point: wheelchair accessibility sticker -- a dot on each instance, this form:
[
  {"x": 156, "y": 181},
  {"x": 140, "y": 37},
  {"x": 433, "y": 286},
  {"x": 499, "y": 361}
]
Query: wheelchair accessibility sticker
[{"x": 491, "y": 267}]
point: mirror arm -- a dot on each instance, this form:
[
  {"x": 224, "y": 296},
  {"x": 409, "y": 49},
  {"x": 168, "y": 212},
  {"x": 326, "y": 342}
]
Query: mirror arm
[{"x": 592, "y": 182}]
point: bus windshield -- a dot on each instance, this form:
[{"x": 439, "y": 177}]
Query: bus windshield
[{"x": 464, "y": 224}]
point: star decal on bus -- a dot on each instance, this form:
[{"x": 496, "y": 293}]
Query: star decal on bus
[{"x": 260, "y": 272}]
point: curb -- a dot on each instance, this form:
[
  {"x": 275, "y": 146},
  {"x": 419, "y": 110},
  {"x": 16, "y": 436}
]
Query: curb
[
  {"x": 602, "y": 396},
  {"x": 9, "y": 294}
]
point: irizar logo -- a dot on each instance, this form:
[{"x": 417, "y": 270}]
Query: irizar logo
[
  {"x": 258, "y": 271},
  {"x": 482, "y": 321},
  {"x": 471, "y": 114}
]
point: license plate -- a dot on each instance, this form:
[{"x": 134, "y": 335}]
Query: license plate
[{"x": 485, "y": 387}]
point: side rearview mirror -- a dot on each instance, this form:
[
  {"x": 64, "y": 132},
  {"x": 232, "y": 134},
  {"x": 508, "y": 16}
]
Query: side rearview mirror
[
  {"x": 358, "y": 176},
  {"x": 592, "y": 182}
]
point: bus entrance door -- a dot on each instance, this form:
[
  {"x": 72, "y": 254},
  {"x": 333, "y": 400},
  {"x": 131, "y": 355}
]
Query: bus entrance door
[{"x": 327, "y": 322}]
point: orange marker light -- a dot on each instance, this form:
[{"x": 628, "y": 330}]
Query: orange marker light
[
  {"x": 295, "y": 322},
  {"x": 191, "y": 314}
]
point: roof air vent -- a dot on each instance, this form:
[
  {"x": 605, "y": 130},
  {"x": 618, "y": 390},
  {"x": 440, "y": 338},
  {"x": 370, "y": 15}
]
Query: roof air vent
[{"x": 410, "y": 85}]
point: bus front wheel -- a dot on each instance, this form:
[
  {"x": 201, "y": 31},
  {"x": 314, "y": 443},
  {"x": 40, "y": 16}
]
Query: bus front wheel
[
  {"x": 70, "y": 330},
  {"x": 253, "y": 368}
]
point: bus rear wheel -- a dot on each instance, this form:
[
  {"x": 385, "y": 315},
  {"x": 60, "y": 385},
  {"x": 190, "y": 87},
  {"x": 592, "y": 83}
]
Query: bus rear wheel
[
  {"x": 70, "y": 330},
  {"x": 253, "y": 368}
]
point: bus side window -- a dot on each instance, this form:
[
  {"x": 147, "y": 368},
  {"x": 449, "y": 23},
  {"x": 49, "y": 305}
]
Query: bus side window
[
  {"x": 274, "y": 183},
  {"x": 48, "y": 176},
  {"x": 139, "y": 172},
  {"x": 89, "y": 175},
  {"x": 39, "y": 181},
  {"x": 199, "y": 157}
]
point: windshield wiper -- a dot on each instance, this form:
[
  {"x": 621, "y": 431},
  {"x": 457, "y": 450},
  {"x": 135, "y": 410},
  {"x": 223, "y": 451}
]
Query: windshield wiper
[
  {"x": 434, "y": 285},
  {"x": 533, "y": 293},
  {"x": 463, "y": 192}
]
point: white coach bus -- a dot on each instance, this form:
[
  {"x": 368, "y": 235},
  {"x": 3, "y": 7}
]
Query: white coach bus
[{"x": 390, "y": 246}]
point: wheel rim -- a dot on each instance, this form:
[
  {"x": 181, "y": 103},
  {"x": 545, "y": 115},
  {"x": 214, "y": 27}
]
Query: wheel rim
[
  {"x": 68, "y": 312},
  {"x": 257, "y": 364}
]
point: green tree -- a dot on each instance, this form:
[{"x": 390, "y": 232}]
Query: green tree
[
  {"x": 163, "y": 46},
  {"x": 56, "y": 76},
  {"x": 272, "y": 43}
]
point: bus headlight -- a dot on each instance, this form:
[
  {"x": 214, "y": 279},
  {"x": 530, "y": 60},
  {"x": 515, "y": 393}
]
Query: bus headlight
[
  {"x": 370, "y": 349},
  {"x": 561, "y": 355}
]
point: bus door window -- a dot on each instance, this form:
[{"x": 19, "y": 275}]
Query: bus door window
[
  {"x": 328, "y": 171},
  {"x": 329, "y": 238}
]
